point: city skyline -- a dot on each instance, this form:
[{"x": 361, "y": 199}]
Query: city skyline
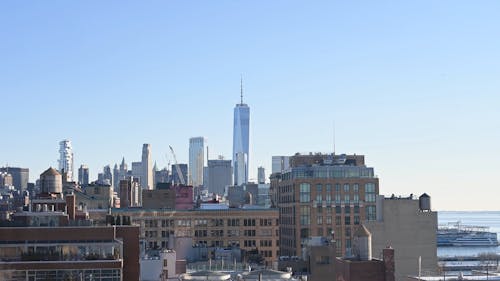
[{"x": 413, "y": 86}]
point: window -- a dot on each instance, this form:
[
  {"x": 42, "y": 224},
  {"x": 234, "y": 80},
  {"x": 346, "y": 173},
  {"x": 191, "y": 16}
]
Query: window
[
  {"x": 356, "y": 198},
  {"x": 328, "y": 220},
  {"x": 337, "y": 188},
  {"x": 356, "y": 220},
  {"x": 346, "y": 198},
  {"x": 346, "y": 187},
  {"x": 337, "y": 198},
  {"x": 347, "y": 209},
  {"x": 371, "y": 213},
  {"x": 305, "y": 193},
  {"x": 319, "y": 220},
  {"x": 319, "y": 193},
  {"x": 305, "y": 215},
  {"x": 338, "y": 209},
  {"x": 347, "y": 220},
  {"x": 355, "y": 187},
  {"x": 370, "y": 188}
]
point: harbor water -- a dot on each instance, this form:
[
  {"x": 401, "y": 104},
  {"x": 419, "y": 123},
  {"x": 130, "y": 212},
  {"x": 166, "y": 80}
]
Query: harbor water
[{"x": 489, "y": 219}]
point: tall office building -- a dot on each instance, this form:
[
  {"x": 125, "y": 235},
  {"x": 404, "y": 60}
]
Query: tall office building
[
  {"x": 175, "y": 176},
  {"x": 196, "y": 160},
  {"x": 66, "y": 159},
  {"x": 241, "y": 141},
  {"x": 83, "y": 175},
  {"x": 147, "y": 167},
  {"x": 333, "y": 193},
  {"x": 219, "y": 175},
  {"x": 20, "y": 176},
  {"x": 261, "y": 175}
]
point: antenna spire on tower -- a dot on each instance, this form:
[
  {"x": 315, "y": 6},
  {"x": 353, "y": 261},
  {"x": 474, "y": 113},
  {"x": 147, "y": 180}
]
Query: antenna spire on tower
[{"x": 241, "y": 88}]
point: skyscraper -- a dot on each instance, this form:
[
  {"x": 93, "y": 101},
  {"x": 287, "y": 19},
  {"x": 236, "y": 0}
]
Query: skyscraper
[
  {"x": 219, "y": 175},
  {"x": 83, "y": 175},
  {"x": 66, "y": 159},
  {"x": 20, "y": 176},
  {"x": 147, "y": 167},
  {"x": 241, "y": 141},
  {"x": 196, "y": 160},
  {"x": 261, "y": 175}
]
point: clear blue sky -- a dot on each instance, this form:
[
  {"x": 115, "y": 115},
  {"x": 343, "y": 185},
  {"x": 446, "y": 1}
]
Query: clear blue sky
[{"x": 413, "y": 85}]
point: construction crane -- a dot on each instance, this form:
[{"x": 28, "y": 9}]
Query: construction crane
[{"x": 177, "y": 168}]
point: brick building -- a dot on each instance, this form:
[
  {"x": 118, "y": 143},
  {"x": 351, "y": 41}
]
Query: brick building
[{"x": 321, "y": 193}]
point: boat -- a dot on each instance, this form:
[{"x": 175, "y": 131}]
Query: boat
[{"x": 459, "y": 235}]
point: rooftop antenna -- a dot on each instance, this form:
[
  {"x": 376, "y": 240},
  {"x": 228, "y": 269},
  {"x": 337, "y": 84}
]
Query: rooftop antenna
[
  {"x": 241, "y": 88},
  {"x": 334, "y": 137}
]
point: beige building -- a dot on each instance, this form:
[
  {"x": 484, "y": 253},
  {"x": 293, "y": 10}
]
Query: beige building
[
  {"x": 408, "y": 226},
  {"x": 248, "y": 229}
]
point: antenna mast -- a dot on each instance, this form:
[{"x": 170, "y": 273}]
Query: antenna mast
[
  {"x": 241, "y": 88},
  {"x": 333, "y": 137}
]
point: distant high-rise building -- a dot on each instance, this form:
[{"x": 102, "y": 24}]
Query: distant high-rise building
[
  {"x": 119, "y": 174},
  {"x": 137, "y": 170},
  {"x": 175, "y": 176},
  {"x": 5, "y": 179},
  {"x": 20, "y": 176},
  {"x": 107, "y": 176},
  {"x": 261, "y": 175},
  {"x": 83, "y": 175},
  {"x": 162, "y": 176},
  {"x": 147, "y": 167},
  {"x": 241, "y": 141},
  {"x": 66, "y": 159},
  {"x": 196, "y": 160},
  {"x": 280, "y": 164},
  {"x": 219, "y": 175}
]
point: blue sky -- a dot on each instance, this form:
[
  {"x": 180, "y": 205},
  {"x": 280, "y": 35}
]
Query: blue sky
[{"x": 413, "y": 85}]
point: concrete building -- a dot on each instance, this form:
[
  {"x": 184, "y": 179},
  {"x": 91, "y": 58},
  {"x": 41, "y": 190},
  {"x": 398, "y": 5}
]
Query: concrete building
[
  {"x": 161, "y": 265},
  {"x": 219, "y": 175},
  {"x": 20, "y": 176},
  {"x": 410, "y": 228},
  {"x": 136, "y": 171},
  {"x": 6, "y": 180},
  {"x": 147, "y": 168},
  {"x": 241, "y": 134},
  {"x": 66, "y": 159},
  {"x": 196, "y": 161},
  {"x": 162, "y": 176},
  {"x": 169, "y": 197},
  {"x": 280, "y": 164},
  {"x": 69, "y": 253},
  {"x": 130, "y": 193},
  {"x": 189, "y": 231},
  {"x": 261, "y": 175},
  {"x": 95, "y": 197},
  {"x": 83, "y": 175},
  {"x": 321, "y": 193}
]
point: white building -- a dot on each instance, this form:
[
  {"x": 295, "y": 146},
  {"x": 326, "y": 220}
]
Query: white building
[
  {"x": 66, "y": 159},
  {"x": 147, "y": 167},
  {"x": 196, "y": 160}
]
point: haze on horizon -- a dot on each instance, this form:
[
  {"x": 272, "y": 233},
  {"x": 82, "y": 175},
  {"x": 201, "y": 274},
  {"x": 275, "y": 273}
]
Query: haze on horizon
[{"x": 412, "y": 86}]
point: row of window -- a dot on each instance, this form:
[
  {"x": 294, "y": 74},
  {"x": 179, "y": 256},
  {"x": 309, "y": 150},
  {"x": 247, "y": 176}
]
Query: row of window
[
  {"x": 205, "y": 222},
  {"x": 305, "y": 193}
]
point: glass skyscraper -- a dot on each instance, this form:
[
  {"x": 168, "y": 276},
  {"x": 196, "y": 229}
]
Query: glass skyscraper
[
  {"x": 196, "y": 160},
  {"x": 241, "y": 141}
]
